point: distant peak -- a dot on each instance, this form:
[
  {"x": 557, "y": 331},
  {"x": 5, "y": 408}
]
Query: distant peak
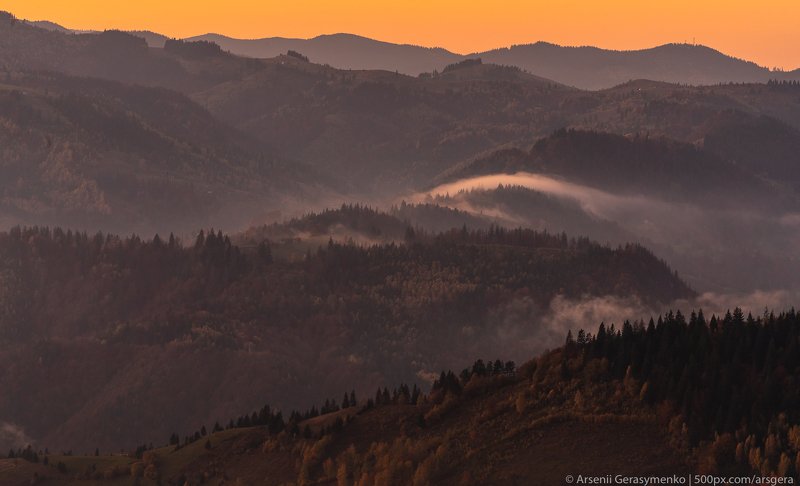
[
  {"x": 343, "y": 35},
  {"x": 212, "y": 35}
]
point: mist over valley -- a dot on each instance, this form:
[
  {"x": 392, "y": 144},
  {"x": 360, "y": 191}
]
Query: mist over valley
[{"x": 253, "y": 236}]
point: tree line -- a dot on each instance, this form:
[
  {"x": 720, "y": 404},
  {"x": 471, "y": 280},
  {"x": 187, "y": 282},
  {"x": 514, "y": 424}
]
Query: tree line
[{"x": 733, "y": 380}]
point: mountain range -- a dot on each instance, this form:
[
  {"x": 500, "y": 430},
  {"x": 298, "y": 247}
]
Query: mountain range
[
  {"x": 192, "y": 228},
  {"x": 584, "y": 67},
  {"x": 292, "y": 135}
]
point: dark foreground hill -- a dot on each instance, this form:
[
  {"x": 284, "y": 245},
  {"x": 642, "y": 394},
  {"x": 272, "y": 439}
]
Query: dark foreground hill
[
  {"x": 110, "y": 342},
  {"x": 668, "y": 398}
]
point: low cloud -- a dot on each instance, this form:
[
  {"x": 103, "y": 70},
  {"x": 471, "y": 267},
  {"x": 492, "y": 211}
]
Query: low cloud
[
  {"x": 13, "y": 437},
  {"x": 756, "y": 302},
  {"x": 721, "y": 249},
  {"x": 524, "y": 329},
  {"x": 594, "y": 201}
]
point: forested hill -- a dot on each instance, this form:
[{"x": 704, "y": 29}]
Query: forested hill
[
  {"x": 639, "y": 165},
  {"x": 360, "y": 224},
  {"x": 95, "y": 154},
  {"x": 120, "y": 323},
  {"x": 679, "y": 395}
]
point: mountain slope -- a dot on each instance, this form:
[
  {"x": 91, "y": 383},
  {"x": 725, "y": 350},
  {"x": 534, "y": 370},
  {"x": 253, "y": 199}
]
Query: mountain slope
[
  {"x": 104, "y": 330},
  {"x": 98, "y": 154},
  {"x": 385, "y": 131},
  {"x": 47, "y": 25},
  {"x": 669, "y": 398},
  {"x": 117, "y": 56},
  {"x": 638, "y": 166},
  {"x": 702, "y": 212}
]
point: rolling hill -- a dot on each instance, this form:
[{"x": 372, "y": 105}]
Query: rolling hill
[
  {"x": 671, "y": 397},
  {"x": 385, "y": 131},
  {"x": 99, "y": 333},
  {"x": 636, "y": 166},
  {"x": 391, "y": 132},
  {"x": 700, "y": 211},
  {"x": 97, "y": 154},
  {"x": 117, "y": 56}
]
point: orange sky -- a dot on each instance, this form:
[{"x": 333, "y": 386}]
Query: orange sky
[{"x": 764, "y": 31}]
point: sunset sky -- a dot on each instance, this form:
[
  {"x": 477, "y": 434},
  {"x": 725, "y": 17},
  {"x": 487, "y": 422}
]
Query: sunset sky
[{"x": 766, "y": 31}]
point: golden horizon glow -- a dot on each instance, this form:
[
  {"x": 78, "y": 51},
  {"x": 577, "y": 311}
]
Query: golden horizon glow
[{"x": 764, "y": 32}]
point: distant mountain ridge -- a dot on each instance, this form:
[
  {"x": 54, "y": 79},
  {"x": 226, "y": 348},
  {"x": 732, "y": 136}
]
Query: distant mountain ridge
[
  {"x": 594, "y": 68},
  {"x": 584, "y": 67},
  {"x": 341, "y": 122},
  {"x": 345, "y": 51}
]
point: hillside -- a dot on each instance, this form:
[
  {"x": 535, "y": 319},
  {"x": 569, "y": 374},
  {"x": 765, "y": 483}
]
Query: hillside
[
  {"x": 503, "y": 206},
  {"x": 118, "y": 56},
  {"x": 389, "y": 131},
  {"x": 669, "y": 397},
  {"x": 392, "y": 133},
  {"x": 636, "y": 166},
  {"x": 683, "y": 202},
  {"x": 102, "y": 330},
  {"x": 360, "y": 224},
  {"x": 385, "y": 131},
  {"x": 97, "y": 154},
  {"x": 47, "y": 25}
]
